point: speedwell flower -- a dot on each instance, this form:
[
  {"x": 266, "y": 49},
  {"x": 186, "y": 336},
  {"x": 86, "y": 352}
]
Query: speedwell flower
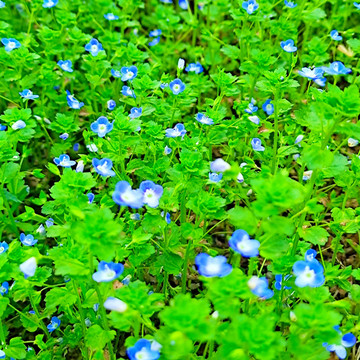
[
  {"x": 28, "y": 267},
  {"x": 254, "y": 119},
  {"x": 178, "y": 130},
  {"x": 268, "y": 107},
  {"x": 214, "y": 177},
  {"x": 155, "y": 33},
  {"x": 308, "y": 273},
  {"x": 256, "y": 145},
  {"x": 101, "y": 126},
  {"x": 128, "y": 73},
  {"x": 73, "y": 102},
  {"x": 154, "y": 41},
  {"x": 49, "y": 3},
  {"x": 348, "y": 340},
  {"x": 103, "y": 167},
  {"x": 124, "y": 195},
  {"x": 4, "y": 288},
  {"x": 181, "y": 64},
  {"x": 115, "y": 304},
  {"x": 203, "y": 119},
  {"x": 143, "y": 350},
  {"x": 183, "y": 4},
  {"x": 336, "y": 68},
  {"x": 260, "y": 287},
  {"x": 194, "y": 67},
  {"x": 111, "y": 104},
  {"x": 17, "y": 125},
  {"x": 307, "y": 175},
  {"x": 94, "y": 47},
  {"x": 250, "y": 6},
  {"x": 115, "y": 73},
  {"x": 167, "y": 150},
  {"x": 54, "y": 324},
  {"x": 241, "y": 243},
  {"x": 212, "y": 266},
  {"x": 64, "y": 161},
  {"x": 251, "y": 107},
  {"x": 111, "y": 17},
  {"x": 135, "y": 112},
  {"x": 91, "y": 197},
  {"x": 288, "y": 46},
  {"x": 10, "y": 44},
  {"x": 2, "y": 4},
  {"x": 3, "y": 247},
  {"x": 108, "y": 271},
  {"x": 28, "y": 240},
  {"x": 126, "y": 91},
  {"x": 219, "y": 165},
  {"x": 151, "y": 192},
  {"x": 177, "y": 86},
  {"x": 357, "y": 5},
  {"x": 335, "y": 35},
  {"x": 312, "y": 74},
  {"x": 65, "y": 65},
  {"x": 290, "y": 4},
  {"x": 28, "y": 94},
  {"x": 278, "y": 282}
]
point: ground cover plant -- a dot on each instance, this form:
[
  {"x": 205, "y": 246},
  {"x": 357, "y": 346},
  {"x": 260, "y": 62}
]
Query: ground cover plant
[{"x": 179, "y": 179}]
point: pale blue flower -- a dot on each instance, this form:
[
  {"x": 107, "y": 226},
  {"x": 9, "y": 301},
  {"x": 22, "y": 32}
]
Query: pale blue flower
[
  {"x": 155, "y": 33},
  {"x": 268, "y": 107},
  {"x": 290, "y": 4},
  {"x": 194, "y": 67},
  {"x": 4, "y": 288},
  {"x": 250, "y": 6},
  {"x": 336, "y": 68},
  {"x": 17, "y": 125},
  {"x": 115, "y": 304},
  {"x": 219, "y": 165},
  {"x": 65, "y": 65},
  {"x": 151, "y": 192},
  {"x": 10, "y": 44},
  {"x": 251, "y": 107},
  {"x": 241, "y": 243},
  {"x": 335, "y": 35},
  {"x": 28, "y": 267},
  {"x": 3, "y": 247},
  {"x": 178, "y": 130},
  {"x": 203, "y": 119},
  {"x": 27, "y": 240},
  {"x": 357, "y": 5},
  {"x": 50, "y": 3},
  {"x": 126, "y": 91},
  {"x": 103, "y": 167},
  {"x": 108, "y": 271},
  {"x": 111, "y": 17},
  {"x": 260, "y": 287},
  {"x": 73, "y": 102},
  {"x": 124, "y": 195},
  {"x": 154, "y": 41},
  {"x": 128, "y": 73},
  {"x": 278, "y": 282},
  {"x": 348, "y": 340},
  {"x": 135, "y": 112},
  {"x": 143, "y": 350},
  {"x": 256, "y": 145},
  {"x": 64, "y": 136},
  {"x": 177, "y": 86},
  {"x": 167, "y": 150},
  {"x": 288, "y": 46},
  {"x": 183, "y": 4},
  {"x": 28, "y": 94},
  {"x": 94, "y": 47},
  {"x": 212, "y": 266},
  {"x": 308, "y": 273},
  {"x": 64, "y": 161},
  {"x": 2, "y": 5},
  {"x": 214, "y": 177},
  {"x": 111, "y": 104},
  {"x": 101, "y": 126},
  {"x": 311, "y": 74},
  {"x": 54, "y": 324}
]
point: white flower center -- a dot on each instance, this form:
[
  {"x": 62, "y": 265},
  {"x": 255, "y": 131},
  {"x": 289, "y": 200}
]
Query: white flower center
[{"x": 94, "y": 48}]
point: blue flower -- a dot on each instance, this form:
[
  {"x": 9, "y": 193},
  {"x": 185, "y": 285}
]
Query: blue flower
[
  {"x": 28, "y": 267},
  {"x": 142, "y": 350},
  {"x": 214, "y": 177},
  {"x": 17, "y": 125},
  {"x": 260, "y": 287},
  {"x": 308, "y": 273},
  {"x": 154, "y": 41},
  {"x": 357, "y": 5},
  {"x": 2, "y": 354},
  {"x": 288, "y": 46},
  {"x": 241, "y": 243},
  {"x": 251, "y": 107},
  {"x": 115, "y": 73},
  {"x": 50, "y": 3},
  {"x": 135, "y": 217},
  {"x": 93, "y": 47},
  {"x": 111, "y": 16},
  {"x": 151, "y": 192},
  {"x": 307, "y": 175},
  {"x": 101, "y": 126},
  {"x": 111, "y": 104},
  {"x": 91, "y": 197},
  {"x": 250, "y": 6},
  {"x": 4, "y": 288},
  {"x": 28, "y": 94},
  {"x": 135, "y": 112},
  {"x": 290, "y": 4},
  {"x": 3, "y": 247},
  {"x": 124, "y": 195},
  {"x": 181, "y": 64},
  {"x": 10, "y": 44},
  {"x": 128, "y": 73},
  {"x": 163, "y": 86},
  {"x": 2, "y": 5},
  {"x": 126, "y": 91},
  {"x": 167, "y": 150},
  {"x": 108, "y": 271},
  {"x": 311, "y": 74},
  {"x": 335, "y": 35},
  {"x": 167, "y": 218},
  {"x": 155, "y": 33},
  {"x": 212, "y": 266},
  {"x": 27, "y": 240},
  {"x": 64, "y": 136},
  {"x": 219, "y": 165},
  {"x": 115, "y": 304},
  {"x": 278, "y": 282},
  {"x": 3, "y": 127},
  {"x": 80, "y": 166},
  {"x": 64, "y": 161},
  {"x": 65, "y": 65},
  {"x": 256, "y": 145},
  {"x": 268, "y": 107},
  {"x": 76, "y": 147},
  {"x": 177, "y": 86},
  {"x": 337, "y": 68},
  {"x": 203, "y": 119},
  {"x": 54, "y": 324},
  {"x": 254, "y": 119},
  {"x": 183, "y": 4},
  {"x": 196, "y": 68},
  {"x": 178, "y": 130},
  {"x": 72, "y": 102},
  {"x": 310, "y": 255},
  {"x": 103, "y": 167},
  {"x": 348, "y": 340}
]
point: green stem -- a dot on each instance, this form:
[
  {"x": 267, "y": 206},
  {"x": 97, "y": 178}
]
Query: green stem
[
  {"x": 41, "y": 323},
  {"x": 276, "y": 135},
  {"x": 186, "y": 262}
]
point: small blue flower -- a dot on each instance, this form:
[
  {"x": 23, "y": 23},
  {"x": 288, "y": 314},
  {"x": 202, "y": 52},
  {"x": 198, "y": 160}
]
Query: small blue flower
[
  {"x": 251, "y": 107},
  {"x": 91, "y": 197},
  {"x": 163, "y": 86},
  {"x": 335, "y": 35},
  {"x": 135, "y": 112},
  {"x": 219, "y": 165},
  {"x": 183, "y": 4},
  {"x": 214, "y": 177},
  {"x": 3, "y": 127},
  {"x": 115, "y": 304},
  {"x": 154, "y": 41},
  {"x": 254, "y": 119},
  {"x": 250, "y": 6},
  {"x": 278, "y": 282},
  {"x": 336, "y": 68},
  {"x": 142, "y": 350},
  {"x": 151, "y": 192},
  {"x": 76, "y": 147},
  {"x": 65, "y": 65},
  {"x": 111, "y": 17},
  {"x": 181, "y": 64},
  {"x": 256, "y": 145},
  {"x": 3, "y": 247},
  {"x": 203, "y": 119},
  {"x": 290, "y": 4},
  {"x": 115, "y": 73},
  {"x": 357, "y": 5},
  {"x": 311, "y": 74},
  {"x": 50, "y": 3},
  {"x": 27, "y": 240},
  {"x": 94, "y": 47},
  {"x": 2, "y": 5},
  {"x": 128, "y": 73},
  {"x": 167, "y": 218},
  {"x": 64, "y": 161},
  {"x": 155, "y": 33},
  {"x": 49, "y": 222},
  {"x": 310, "y": 255},
  {"x": 194, "y": 67},
  {"x": 167, "y": 150},
  {"x": 178, "y": 130},
  {"x": 111, "y": 104},
  {"x": 260, "y": 287},
  {"x": 241, "y": 243},
  {"x": 177, "y": 86},
  {"x": 108, "y": 271},
  {"x": 4, "y": 288},
  {"x": 10, "y": 44},
  {"x": 166, "y": 1},
  {"x": 28, "y": 94},
  {"x": 348, "y": 340},
  {"x": 212, "y": 266},
  {"x": 308, "y": 273},
  {"x": 101, "y": 126},
  {"x": 135, "y": 217},
  {"x": 28, "y": 267},
  {"x": 54, "y": 324},
  {"x": 103, "y": 167},
  {"x": 288, "y": 46},
  {"x": 124, "y": 195},
  {"x": 268, "y": 107},
  {"x": 80, "y": 166},
  {"x": 73, "y": 102},
  {"x": 17, "y": 125},
  {"x": 64, "y": 136},
  {"x": 307, "y": 175},
  {"x": 299, "y": 139},
  {"x": 2, "y": 354},
  {"x": 126, "y": 91}
]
